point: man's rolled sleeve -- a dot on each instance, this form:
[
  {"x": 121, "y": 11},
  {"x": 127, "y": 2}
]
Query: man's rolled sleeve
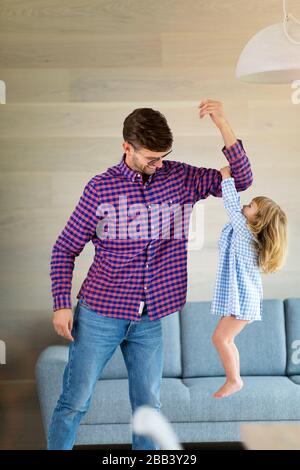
[
  {"x": 239, "y": 165},
  {"x": 202, "y": 182}
]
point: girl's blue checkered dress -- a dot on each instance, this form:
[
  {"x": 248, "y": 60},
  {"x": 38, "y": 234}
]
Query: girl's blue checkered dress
[{"x": 238, "y": 287}]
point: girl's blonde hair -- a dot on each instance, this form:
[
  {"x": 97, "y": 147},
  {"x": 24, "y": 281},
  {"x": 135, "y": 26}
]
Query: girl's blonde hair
[{"x": 269, "y": 227}]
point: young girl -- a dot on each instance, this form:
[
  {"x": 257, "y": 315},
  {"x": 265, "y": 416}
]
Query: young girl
[{"x": 254, "y": 240}]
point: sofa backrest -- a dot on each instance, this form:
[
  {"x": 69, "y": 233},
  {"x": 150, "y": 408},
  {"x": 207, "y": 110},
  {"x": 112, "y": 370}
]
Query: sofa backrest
[{"x": 262, "y": 344}]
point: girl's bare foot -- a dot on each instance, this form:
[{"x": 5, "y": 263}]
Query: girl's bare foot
[{"x": 229, "y": 388}]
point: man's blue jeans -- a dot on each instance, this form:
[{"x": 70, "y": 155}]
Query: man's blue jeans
[{"x": 96, "y": 338}]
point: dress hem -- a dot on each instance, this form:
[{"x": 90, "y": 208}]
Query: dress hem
[{"x": 237, "y": 317}]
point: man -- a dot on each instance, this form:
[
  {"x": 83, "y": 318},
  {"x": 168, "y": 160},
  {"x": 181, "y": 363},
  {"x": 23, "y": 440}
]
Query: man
[{"x": 137, "y": 276}]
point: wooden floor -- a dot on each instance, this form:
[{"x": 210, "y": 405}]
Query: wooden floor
[{"x": 21, "y": 425}]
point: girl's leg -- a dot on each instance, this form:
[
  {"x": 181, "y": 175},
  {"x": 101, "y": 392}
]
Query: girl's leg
[
  {"x": 225, "y": 332},
  {"x": 237, "y": 355}
]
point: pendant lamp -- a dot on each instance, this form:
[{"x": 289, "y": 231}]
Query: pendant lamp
[{"x": 273, "y": 54}]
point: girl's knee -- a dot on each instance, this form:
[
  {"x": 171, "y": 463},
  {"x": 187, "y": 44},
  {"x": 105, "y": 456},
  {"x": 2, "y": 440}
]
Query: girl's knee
[{"x": 219, "y": 337}]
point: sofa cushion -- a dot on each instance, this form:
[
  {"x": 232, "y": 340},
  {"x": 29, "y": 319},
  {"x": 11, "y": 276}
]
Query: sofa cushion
[
  {"x": 262, "y": 344},
  {"x": 292, "y": 324},
  {"x": 262, "y": 398}
]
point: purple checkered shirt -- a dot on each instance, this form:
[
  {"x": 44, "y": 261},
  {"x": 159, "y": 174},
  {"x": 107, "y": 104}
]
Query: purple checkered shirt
[{"x": 134, "y": 266}]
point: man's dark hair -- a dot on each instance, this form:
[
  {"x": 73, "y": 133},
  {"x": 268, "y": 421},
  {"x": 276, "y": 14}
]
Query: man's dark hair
[{"x": 147, "y": 128}]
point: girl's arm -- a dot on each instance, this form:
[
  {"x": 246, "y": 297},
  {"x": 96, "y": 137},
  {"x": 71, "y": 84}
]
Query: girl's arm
[{"x": 231, "y": 200}]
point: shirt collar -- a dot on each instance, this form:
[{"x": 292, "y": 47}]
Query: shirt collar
[{"x": 132, "y": 174}]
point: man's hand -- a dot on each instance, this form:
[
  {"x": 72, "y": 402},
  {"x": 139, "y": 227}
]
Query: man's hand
[
  {"x": 215, "y": 111},
  {"x": 63, "y": 322},
  {"x": 225, "y": 172}
]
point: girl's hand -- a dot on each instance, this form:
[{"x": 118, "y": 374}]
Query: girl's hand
[
  {"x": 215, "y": 111},
  {"x": 225, "y": 172}
]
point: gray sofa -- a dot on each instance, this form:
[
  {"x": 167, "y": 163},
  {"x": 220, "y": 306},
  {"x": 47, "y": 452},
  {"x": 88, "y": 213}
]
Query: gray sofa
[{"x": 270, "y": 367}]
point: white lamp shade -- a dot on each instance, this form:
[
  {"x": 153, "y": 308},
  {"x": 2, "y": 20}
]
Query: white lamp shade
[{"x": 270, "y": 57}]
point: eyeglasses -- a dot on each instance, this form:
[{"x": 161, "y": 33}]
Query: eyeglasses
[{"x": 154, "y": 160}]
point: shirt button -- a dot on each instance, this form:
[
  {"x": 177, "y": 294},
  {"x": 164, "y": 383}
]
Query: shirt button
[
  {"x": 145, "y": 287},
  {"x": 147, "y": 265}
]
